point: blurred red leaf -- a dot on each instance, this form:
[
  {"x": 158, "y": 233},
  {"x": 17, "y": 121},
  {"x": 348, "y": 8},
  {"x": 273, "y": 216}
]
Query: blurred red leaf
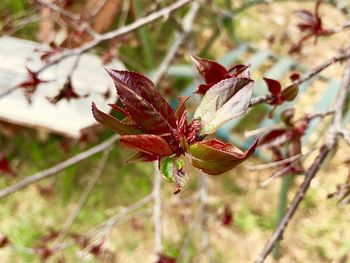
[
  {"x": 226, "y": 217},
  {"x": 4, "y": 241},
  {"x": 67, "y": 92},
  {"x": 5, "y": 166},
  {"x": 30, "y": 84},
  {"x": 165, "y": 259}
]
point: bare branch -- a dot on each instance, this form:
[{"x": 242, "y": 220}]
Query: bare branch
[
  {"x": 309, "y": 75},
  {"x": 157, "y": 210},
  {"x": 203, "y": 217},
  {"x": 187, "y": 24},
  {"x": 84, "y": 196},
  {"x": 58, "y": 167},
  {"x": 311, "y": 172}
]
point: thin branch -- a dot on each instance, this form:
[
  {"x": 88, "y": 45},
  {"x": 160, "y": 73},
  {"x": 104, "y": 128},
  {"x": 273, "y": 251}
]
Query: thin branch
[
  {"x": 345, "y": 135},
  {"x": 309, "y": 75},
  {"x": 325, "y": 149},
  {"x": 58, "y": 167},
  {"x": 84, "y": 196},
  {"x": 203, "y": 217},
  {"x": 187, "y": 24},
  {"x": 274, "y": 164},
  {"x": 157, "y": 210},
  {"x": 164, "y": 12}
]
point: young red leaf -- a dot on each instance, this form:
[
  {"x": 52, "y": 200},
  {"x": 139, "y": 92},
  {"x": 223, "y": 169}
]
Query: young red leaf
[
  {"x": 225, "y": 101},
  {"x": 5, "y": 166},
  {"x": 181, "y": 107},
  {"x": 151, "y": 144},
  {"x": 210, "y": 71},
  {"x": 30, "y": 84},
  {"x": 274, "y": 137},
  {"x": 143, "y": 102},
  {"x": 239, "y": 71},
  {"x": 4, "y": 241},
  {"x": 142, "y": 157},
  {"x": 226, "y": 217},
  {"x": 67, "y": 92},
  {"x": 165, "y": 259},
  {"x": 214, "y": 157},
  {"x": 114, "y": 124},
  {"x": 274, "y": 86}
]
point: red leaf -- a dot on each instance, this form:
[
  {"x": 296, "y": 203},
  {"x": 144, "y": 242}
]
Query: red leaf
[
  {"x": 30, "y": 84},
  {"x": 215, "y": 157},
  {"x": 181, "y": 107},
  {"x": 272, "y": 136},
  {"x": 67, "y": 92},
  {"x": 239, "y": 71},
  {"x": 211, "y": 71},
  {"x": 97, "y": 249},
  {"x": 4, "y": 241},
  {"x": 165, "y": 259},
  {"x": 294, "y": 76},
  {"x": 112, "y": 123},
  {"x": 143, "y": 102},
  {"x": 44, "y": 252},
  {"x": 5, "y": 166},
  {"x": 273, "y": 85},
  {"x": 226, "y": 217},
  {"x": 142, "y": 157},
  {"x": 151, "y": 144}
]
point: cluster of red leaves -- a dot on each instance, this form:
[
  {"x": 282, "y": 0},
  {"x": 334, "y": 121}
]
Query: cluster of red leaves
[
  {"x": 213, "y": 73},
  {"x": 289, "y": 136},
  {"x": 67, "y": 92},
  {"x": 155, "y": 131},
  {"x": 30, "y": 84},
  {"x": 4, "y": 241},
  {"x": 310, "y": 26},
  {"x": 5, "y": 166}
]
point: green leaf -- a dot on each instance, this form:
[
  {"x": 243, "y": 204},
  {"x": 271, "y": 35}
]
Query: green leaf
[
  {"x": 290, "y": 93},
  {"x": 167, "y": 167},
  {"x": 223, "y": 102}
]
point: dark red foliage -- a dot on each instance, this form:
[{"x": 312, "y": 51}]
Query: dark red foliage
[
  {"x": 5, "y": 166},
  {"x": 97, "y": 249},
  {"x": 80, "y": 240},
  {"x": 212, "y": 72},
  {"x": 49, "y": 237},
  {"x": 165, "y": 259},
  {"x": 227, "y": 217},
  {"x": 4, "y": 241},
  {"x": 46, "y": 191},
  {"x": 54, "y": 50},
  {"x": 30, "y": 84},
  {"x": 107, "y": 94},
  {"x": 150, "y": 126},
  {"x": 67, "y": 92},
  {"x": 44, "y": 252},
  {"x": 311, "y": 26}
]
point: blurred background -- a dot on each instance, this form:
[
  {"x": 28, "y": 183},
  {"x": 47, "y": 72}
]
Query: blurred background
[{"x": 45, "y": 118}]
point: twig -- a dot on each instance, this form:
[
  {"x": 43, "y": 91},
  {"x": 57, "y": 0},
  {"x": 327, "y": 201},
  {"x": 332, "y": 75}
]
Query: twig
[
  {"x": 274, "y": 164},
  {"x": 203, "y": 217},
  {"x": 187, "y": 24},
  {"x": 84, "y": 196},
  {"x": 111, "y": 221},
  {"x": 157, "y": 210},
  {"x": 325, "y": 149},
  {"x": 164, "y": 12},
  {"x": 58, "y": 167},
  {"x": 309, "y": 75},
  {"x": 345, "y": 135},
  {"x": 184, "y": 248}
]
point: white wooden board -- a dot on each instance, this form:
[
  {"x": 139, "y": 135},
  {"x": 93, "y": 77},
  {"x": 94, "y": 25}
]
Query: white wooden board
[{"x": 66, "y": 117}]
